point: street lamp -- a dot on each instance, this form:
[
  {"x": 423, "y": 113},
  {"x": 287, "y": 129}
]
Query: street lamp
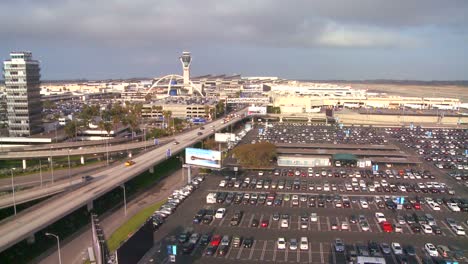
[
  {"x": 69, "y": 174},
  {"x": 13, "y": 189},
  {"x": 51, "y": 165},
  {"x": 58, "y": 245},
  {"x": 125, "y": 199}
]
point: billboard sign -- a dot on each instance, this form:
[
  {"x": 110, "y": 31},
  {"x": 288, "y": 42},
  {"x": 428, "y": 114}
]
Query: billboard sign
[
  {"x": 257, "y": 110},
  {"x": 225, "y": 137},
  {"x": 203, "y": 157}
]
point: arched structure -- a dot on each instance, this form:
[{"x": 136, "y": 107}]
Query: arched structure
[{"x": 174, "y": 82}]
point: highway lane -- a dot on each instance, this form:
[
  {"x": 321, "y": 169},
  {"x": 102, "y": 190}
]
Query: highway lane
[
  {"x": 77, "y": 152},
  {"x": 15, "y": 229}
]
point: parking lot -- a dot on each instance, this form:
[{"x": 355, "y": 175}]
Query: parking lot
[{"x": 264, "y": 215}]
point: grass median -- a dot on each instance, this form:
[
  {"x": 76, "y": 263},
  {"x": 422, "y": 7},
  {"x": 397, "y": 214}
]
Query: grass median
[{"x": 129, "y": 227}]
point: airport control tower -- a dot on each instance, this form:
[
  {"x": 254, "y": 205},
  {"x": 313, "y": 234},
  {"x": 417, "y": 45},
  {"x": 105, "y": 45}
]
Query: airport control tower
[{"x": 186, "y": 59}]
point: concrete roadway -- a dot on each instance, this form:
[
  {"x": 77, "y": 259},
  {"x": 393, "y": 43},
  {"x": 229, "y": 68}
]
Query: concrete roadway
[
  {"x": 28, "y": 222},
  {"x": 76, "y": 152}
]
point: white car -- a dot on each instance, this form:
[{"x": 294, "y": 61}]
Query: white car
[
  {"x": 397, "y": 228},
  {"x": 222, "y": 184},
  {"x": 458, "y": 229},
  {"x": 380, "y": 217},
  {"x": 326, "y": 187},
  {"x": 260, "y": 173},
  {"x": 220, "y": 213},
  {"x": 431, "y": 250},
  {"x": 281, "y": 243},
  {"x": 453, "y": 207},
  {"x": 304, "y": 244},
  {"x": 434, "y": 206},
  {"x": 427, "y": 229},
  {"x": 247, "y": 180},
  {"x": 284, "y": 223},
  {"x": 313, "y": 217},
  {"x": 364, "y": 204},
  {"x": 397, "y": 249},
  {"x": 344, "y": 226}
]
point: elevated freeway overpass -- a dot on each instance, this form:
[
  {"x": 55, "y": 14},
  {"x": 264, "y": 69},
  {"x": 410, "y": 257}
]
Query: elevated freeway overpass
[{"x": 27, "y": 223}]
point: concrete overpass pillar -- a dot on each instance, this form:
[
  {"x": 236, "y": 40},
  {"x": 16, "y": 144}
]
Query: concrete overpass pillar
[
  {"x": 82, "y": 160},
  {"x": 89, "y": 206},
  {"x": 24, "y": 164},
  {"x": 31, "y": 239},
  {"x": 151, "y": 169},
  {"x": 189, "y": 174}
]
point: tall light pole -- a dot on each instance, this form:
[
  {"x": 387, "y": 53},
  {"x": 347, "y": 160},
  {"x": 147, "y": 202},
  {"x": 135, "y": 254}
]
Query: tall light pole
[
  {"x": 13, "y": 190},
  {"x": 125, "y": 199},
  {"x": 51, "y": 165},
  {"x": 40, "y": 170},
  {"x": 69, "y": 174},
  {"x": 58, "y": 245}
]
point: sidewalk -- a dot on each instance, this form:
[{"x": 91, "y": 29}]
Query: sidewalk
[{"x": 74, "y": 249}]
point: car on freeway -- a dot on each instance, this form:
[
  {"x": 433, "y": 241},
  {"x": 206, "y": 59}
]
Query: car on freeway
[{"x": 129, "y": 163}]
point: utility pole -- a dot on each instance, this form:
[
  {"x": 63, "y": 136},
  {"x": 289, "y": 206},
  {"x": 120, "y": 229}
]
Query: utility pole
[
  {"x": 51, "y": 165},
  {"x": 69, "y": 173}
]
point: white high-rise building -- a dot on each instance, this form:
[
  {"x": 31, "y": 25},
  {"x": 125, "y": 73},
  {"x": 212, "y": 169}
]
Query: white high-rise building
[{"x": 22, "y": 83}]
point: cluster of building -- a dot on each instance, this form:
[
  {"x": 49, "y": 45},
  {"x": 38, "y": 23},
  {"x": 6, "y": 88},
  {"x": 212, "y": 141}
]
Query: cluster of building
[{"x": 184, "y": 96}]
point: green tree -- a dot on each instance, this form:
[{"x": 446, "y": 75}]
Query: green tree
[
  {"x": 261, "y": 154},
  {"x": 49, "y": 105}
]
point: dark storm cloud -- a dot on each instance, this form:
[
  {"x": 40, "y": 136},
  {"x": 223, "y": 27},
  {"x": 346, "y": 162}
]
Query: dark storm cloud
[
  {"x": 275, "y": 23},
  {"x": 139, "y": 37}
]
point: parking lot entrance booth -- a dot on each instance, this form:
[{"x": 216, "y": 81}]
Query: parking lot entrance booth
[{"x": 344, "y": 159}]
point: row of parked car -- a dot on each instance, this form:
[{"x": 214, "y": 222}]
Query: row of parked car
[
  {"x": 354, "y": 185},
  {"x": 411, "y": 174},
  {"x": 444, "y": 147},
  {"x": 173, "y": 201},
  {"x": 308, "y": 134}
]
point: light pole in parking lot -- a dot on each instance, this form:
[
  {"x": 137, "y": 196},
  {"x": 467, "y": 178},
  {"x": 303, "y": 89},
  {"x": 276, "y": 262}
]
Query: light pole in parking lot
[
  {"x": 58, "y": 245},
  {"x": 13, "y": 189},
  {"x": 125, "y": 199}
]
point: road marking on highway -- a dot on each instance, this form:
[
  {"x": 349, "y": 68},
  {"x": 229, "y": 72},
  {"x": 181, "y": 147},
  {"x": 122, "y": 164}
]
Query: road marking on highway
[
  {"x": 252, "y": 249},
  {"x": 310, "y": 252},
  {"x": 240, "y": 252},
  {"x": 321, "y": 253},
  {"x": 262, "y": 256}
]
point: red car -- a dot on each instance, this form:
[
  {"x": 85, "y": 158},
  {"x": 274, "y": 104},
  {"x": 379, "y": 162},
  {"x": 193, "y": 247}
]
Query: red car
[
  {"x": 386, "y": 227},
  {"x": 215, "y": 240},
  {"x": 264, "y": 223},
  {"x": 417, "y": 206}
]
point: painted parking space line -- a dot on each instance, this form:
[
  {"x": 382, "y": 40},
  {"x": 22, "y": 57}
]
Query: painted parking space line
[
  {"x": 318, "y": 221},
  {"x": 270, "y": 221},
  {"x": 298, "y": 257},
  {"x": 222, "y": 221},
  {"x": 274, "y": 251},
  {"x": 378, "y": 225},
  {"x": 450, "y": 229},
  {"x": 252, "y": 249},
  {"x": 328, "y": 224},
  {"x": 298, "y": 223},
  {"x": 251, "y": 219},
  {"x": 310, "y": 252},
  {"x": 239, "y": 253},
  {"x": 262, "y": 256},
  {"x": 321, "y": 253},
  {"x": 286, "y": 254},
  {"x": 333, "y": 254},
  {"x": 393, "y": 257},
  {"x": 260, "y": 221}
]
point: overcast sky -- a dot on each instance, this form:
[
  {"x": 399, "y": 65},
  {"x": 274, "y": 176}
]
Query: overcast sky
[{"x": 329, "y": 39}]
